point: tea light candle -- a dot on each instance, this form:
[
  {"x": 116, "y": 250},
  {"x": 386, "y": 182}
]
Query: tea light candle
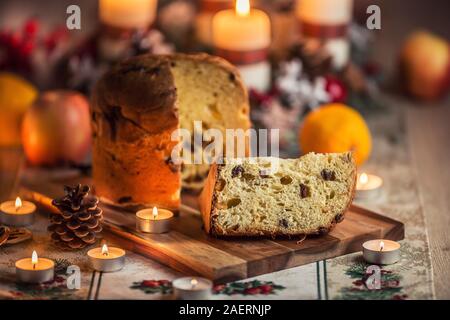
[
  {"x": 153, "y": 220},
  {"x": 130, "y": 14},
  {"x": 188, "y": 288},
  {"x": 17, "y": 213},
  {"x": 242, "y": 36},
  {"x": 381, "y": 251},
  {"x": 107, "y": 259},
  {"x": 327, "y": 22},
  {"x": 34, "y": 269},
  {"x": 368, "y": 186}
]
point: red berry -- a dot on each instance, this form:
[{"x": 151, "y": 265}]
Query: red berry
[
  {"x": 261, "y": 97},
  {"x": 266, "y": 288},
  {"x": 31, "y": 27},
  {"x": 218, "y": 287},
  {"x": 50, "y": 44},
  {"x": 150, "y": 283},
  {"x": 358, "y": 282},
  {"x": 256, "y": 290},
  {"x": 53, "y": 38},
  {"x": 163, "y": 282},
  {"x": 336, "y": 89},
  {"x": 27, "y": 48},
  {"x": 4, "y": 37},
  {"x": 15, "y": 40},
  {"x": 391, "y": 283},
  {"x": 59, "y": 34}
]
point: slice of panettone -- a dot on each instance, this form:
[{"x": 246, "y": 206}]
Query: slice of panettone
[{"x": 309, "y": 195}]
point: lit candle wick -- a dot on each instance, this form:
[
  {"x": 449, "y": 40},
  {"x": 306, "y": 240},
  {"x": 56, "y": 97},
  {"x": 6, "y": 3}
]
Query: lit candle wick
[
  {"x": 363, "y": 179},
  {"x": 381, "y": 246},
  {"x": 105, "y": 250},
  {"x": 242, "y": 8},
  {"x": 34, "y": 259},
  {"x": 194, "y": 283},
  {"x": 18, "y": 204},
  {"x": 155, "y": 213}
]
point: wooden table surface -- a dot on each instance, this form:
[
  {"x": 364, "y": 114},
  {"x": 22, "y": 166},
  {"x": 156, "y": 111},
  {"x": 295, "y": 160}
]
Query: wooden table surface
[
  {"x": 428, "y": 125},
  {"x": 428, "y": 130},
  {"x": 428, "y": 139}
]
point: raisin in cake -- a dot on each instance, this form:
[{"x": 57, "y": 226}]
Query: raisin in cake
[
  {"x": 135, "y": 108},
  {"x": 308, "y": 195}
]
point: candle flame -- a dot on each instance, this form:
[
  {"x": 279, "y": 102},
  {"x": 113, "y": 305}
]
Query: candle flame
[
  {"x": 155, "y": 212},
  {"x": 105, "y": 250},
  {"x": 18, "y": 203},
  {"x": 242, "y": 7},
  {"x": 363, "y": 178},
  {"x": 34, "y": 259},
  {"x": 381, "y": 245},
  {"x": 194, "y": 282}
]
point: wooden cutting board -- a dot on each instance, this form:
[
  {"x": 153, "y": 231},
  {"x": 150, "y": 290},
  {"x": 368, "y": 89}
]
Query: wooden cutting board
[{"x": 188, "y": 249}]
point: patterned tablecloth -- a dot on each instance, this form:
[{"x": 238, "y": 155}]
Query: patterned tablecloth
[{"x": 339, "y": 278}]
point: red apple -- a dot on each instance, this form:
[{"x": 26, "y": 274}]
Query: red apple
[
  {"x": 56, "y": 129},
  {"x": 425, "y": 61}
]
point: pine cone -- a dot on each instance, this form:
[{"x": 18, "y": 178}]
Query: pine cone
[
  {"x": 79, "y": 220},
  {"x": 315, "y": 60}
]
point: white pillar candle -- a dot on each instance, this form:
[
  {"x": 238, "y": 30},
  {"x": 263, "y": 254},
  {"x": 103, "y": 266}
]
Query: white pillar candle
[
  {"x": 192, "y": 288},
  {"x": 368, "y": 186},
  {"x": 381, "y": 251},
  {"x": 17, "y": 213},
  {"x": 35, "y": 269},
  {"x": 107, "y": 259},
  {"x": 128, "y": 14},
  {"x": 243, "y": 36},
  {"x": 153, "y": 220},
  {"x": 327, "y": 21}
]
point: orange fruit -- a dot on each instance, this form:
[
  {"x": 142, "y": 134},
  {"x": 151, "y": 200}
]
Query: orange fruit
[
  {"x": 336, "y": 127},
  {"x": 16, "y": 95}
]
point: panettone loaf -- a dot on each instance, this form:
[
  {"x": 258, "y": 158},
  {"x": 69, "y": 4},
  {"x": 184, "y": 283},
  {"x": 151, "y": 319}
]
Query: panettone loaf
[
  {"x": 135, "y": 108},
  {"x": 304, "y": 196}
]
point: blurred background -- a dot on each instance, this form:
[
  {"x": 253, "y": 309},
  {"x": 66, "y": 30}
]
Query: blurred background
[
  {"x": 313, "y": 53},
  {"x": 399, "y": 18}
]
